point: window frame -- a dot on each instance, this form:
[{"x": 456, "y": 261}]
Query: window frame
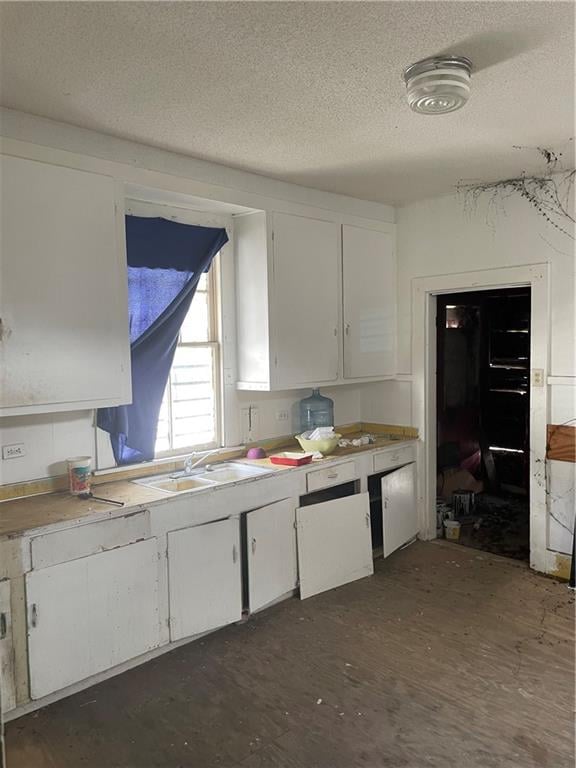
[
  {"x": 143, "y": 201},
  {"x": 215, "y": 344}
]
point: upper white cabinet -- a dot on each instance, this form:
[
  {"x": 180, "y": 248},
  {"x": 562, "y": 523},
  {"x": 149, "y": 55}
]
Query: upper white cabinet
[
  {"x": 369, "y": 301},
  {"x": 63, "y": 299},
  {"x": 316, "y": 302},
  {"x": 288, "y": 289}
]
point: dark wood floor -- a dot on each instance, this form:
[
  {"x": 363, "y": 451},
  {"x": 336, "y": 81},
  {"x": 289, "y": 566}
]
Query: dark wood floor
[{"x": 447, "y": 657}]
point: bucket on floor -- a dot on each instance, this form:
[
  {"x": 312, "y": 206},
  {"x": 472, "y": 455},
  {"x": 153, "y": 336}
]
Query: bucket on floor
[{"x": 452, "y": 529}]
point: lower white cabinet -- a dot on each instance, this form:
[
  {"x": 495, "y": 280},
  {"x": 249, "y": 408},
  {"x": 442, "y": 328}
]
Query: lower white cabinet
[
  {"x": 399, "y": 510},
  {"x": 91, "y": 614},
  {"x": 204, "y": 577},
  {"x": 7, "y": 683},
  {"x": 334, "y": 543},
  {"x": 271, "y": 543}
]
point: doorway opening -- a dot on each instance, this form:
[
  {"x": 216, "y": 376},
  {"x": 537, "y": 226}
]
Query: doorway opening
[{"x": 483, "y": 419}]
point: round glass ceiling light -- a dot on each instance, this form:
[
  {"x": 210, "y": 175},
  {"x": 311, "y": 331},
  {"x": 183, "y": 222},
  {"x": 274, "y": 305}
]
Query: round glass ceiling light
[{"x": 438, "y": 85}]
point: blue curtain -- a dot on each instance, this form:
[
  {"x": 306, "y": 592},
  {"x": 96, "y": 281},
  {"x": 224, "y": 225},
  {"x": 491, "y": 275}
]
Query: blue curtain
[{"x": 165, "y": 262}]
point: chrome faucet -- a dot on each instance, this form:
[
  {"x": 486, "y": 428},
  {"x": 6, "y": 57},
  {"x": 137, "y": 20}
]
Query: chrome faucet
[{"x": 191, "y": 461}]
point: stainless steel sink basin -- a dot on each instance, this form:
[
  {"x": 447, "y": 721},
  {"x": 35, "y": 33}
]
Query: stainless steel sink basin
[{"x": 200, "y": 479}]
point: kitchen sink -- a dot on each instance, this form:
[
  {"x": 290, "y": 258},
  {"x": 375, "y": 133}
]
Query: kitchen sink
[
  {"x": 175, "y": 484},
  {"x": 204, "y": 477},
  {"x": 231, "y": 472}
]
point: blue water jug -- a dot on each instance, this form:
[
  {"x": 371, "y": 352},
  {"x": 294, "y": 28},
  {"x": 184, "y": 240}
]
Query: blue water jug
[{"x": 316, "y": 411}]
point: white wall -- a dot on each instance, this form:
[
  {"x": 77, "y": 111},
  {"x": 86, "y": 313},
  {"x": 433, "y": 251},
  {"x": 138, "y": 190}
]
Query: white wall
[
  {"x": 48, "y": 440},
  {"x": 347, "y": 408},
  {"x": 387, "y": 402},
  {"x": 441, "y": 236}
]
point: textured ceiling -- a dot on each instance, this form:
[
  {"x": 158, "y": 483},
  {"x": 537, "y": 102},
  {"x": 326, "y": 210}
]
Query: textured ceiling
[{"x": 309, "y": 92}]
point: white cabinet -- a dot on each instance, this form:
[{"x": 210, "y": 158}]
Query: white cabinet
[
  {"x": 63, "y": 299},
  {"x": 288, "y": 296},
  {"x": 399, "y": 509},
  {"x": 308, "y": 292},
  {"x": 204, "y": 576},
  {"x": 91, "y": 614},
  {"x": 7, "y": 681},
  {"x": 335, "y": 475},
  {"x": 271, "y": 542},
  {"x": 369, "y": 301},
  {"x": 334, "y": 543}
]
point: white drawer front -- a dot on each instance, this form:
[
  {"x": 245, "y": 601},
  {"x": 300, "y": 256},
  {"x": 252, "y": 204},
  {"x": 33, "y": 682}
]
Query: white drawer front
[
  {"x": 394, "y": 457},
  {"x": 82, "y": 540},
  {"x": 324, "y": 478}
]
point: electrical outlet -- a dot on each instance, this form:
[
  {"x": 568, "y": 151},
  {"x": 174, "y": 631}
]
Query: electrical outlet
[
  {"x": 13, "y": 451},
  {"x": 281, "y": 415},
  {"x": 537, "y": 377}
]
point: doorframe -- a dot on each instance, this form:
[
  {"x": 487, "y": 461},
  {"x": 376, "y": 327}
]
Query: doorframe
[{"x": 424, "y": 292}]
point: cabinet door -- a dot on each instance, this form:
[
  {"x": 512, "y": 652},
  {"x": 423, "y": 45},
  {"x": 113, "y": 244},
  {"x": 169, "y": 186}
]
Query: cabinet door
[
  {"x": 7, "y": 686},
  {"x": 334, "y": 543},
  {"x": 91, "y": 614},
  {"x": 63, "y": 297},
  {"x": 272, "y": 565},
  {"x": 399, "y": 510},
  {"x": 205, "y": 579},
  {"x": 305, "y": 301},
  {"x": 369, "y": 289}
]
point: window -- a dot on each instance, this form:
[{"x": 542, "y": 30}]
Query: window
[{"x": 190, "y": 412}]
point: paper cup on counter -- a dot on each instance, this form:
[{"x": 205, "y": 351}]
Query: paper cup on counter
[{"x": 79, "y": 474}]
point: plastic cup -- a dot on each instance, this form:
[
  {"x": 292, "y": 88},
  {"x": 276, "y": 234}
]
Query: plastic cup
[{"x": 79, "y": 474}]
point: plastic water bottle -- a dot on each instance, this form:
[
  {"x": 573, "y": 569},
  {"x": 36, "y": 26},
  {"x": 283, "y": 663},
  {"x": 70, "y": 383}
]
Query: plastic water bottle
[{"x": 316, "y": 411}]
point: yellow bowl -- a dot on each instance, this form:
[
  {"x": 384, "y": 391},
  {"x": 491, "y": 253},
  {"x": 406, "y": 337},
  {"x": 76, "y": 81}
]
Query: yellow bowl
[{"x": 325, "y": 446}]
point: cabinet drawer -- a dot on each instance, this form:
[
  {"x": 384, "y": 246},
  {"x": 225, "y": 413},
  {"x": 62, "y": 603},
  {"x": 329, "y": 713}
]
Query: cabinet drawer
[
  {"x": 394, "y": 457},
  {"x": 72, "y": 543},
  {"x": 324, "y": 478}
]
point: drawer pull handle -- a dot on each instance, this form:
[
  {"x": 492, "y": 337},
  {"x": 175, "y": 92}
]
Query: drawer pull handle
[
  {"x": 332, "y": 475},
  {"x": 3, "y": 625}
]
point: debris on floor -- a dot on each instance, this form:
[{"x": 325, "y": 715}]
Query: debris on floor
[{"x": 497, "y": 524}]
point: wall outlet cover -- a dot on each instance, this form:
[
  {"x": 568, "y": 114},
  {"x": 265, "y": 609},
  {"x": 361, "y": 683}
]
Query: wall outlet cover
[
  {"x": 537, "y": 377},
  {"x": 13, "y": 451}
]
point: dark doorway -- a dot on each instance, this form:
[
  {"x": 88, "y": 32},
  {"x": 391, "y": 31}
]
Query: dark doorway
[{"x": 483, "y": 409}]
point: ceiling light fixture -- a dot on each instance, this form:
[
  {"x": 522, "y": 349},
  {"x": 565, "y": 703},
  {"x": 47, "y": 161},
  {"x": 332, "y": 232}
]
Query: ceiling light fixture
[{"x": 438, "y": 85}]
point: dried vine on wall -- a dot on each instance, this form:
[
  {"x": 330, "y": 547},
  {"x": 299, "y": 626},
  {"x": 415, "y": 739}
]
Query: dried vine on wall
[{"x": 549, "y": 193}]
